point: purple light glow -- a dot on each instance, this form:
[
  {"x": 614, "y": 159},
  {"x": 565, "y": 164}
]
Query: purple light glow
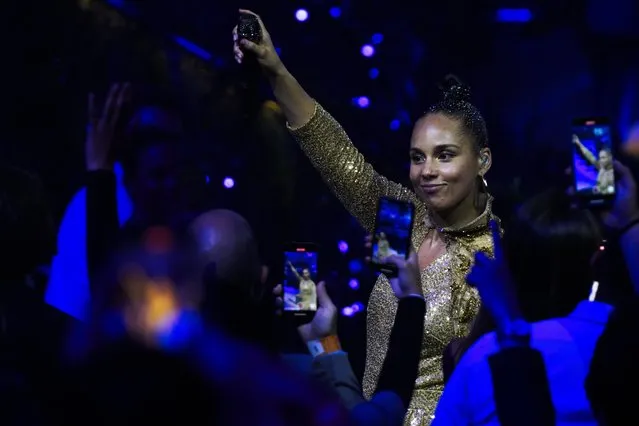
[
  {"x": 301, "y": 15},
  {"x": 368, "y": 50},
  {"x": 363, "y": 102},
  {"x": 377, "y": 38},
  {"x": 347, "y": 311},
  {"x": 342, "y": 246},
  {"x": 335, "y": 12},
  {"x": 229, "y": 183},
  {"x": 354, "y": 284},
  {"x": 355, "y": 266}
]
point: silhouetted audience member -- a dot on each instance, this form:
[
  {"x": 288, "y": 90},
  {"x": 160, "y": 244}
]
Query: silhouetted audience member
[
  {"x": 147, "y": 338},
  {"x": 147, "y": 141},
  {"x": 32, "y": 333},
  {"x": 614, "y": 372},
  {"x": 234, "y": 283},
  {"x": 149, "y": 151},
  {"x": 548, "y": 249},
  {"x": 127, "y": 383}
]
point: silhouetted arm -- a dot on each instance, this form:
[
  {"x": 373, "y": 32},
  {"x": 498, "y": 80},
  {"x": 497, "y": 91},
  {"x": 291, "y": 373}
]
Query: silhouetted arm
[
  {"x": 521, "y": 388},
  {"x": 102, "y": 220},
  {"x": 400, "y": 368}
]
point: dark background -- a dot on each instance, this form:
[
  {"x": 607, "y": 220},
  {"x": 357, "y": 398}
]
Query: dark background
[{"x": 574, "y": 58}]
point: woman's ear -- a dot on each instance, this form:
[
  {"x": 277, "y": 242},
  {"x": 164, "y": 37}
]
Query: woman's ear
[{"x": 485, "y": 161}]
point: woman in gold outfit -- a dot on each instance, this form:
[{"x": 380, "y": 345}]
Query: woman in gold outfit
[{"x": 449, "y": 157}]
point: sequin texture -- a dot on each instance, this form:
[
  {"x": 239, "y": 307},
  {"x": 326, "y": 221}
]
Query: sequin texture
[
  {"x": 249, "y": 28},
  {"x": 450, "y": 303}
]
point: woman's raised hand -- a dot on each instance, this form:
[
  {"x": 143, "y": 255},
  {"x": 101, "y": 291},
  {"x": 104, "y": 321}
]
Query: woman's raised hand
[{"x": 264, "y": 52}]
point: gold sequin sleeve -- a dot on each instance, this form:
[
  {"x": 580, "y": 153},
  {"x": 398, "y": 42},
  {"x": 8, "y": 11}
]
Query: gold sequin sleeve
[{"x": 344, "y": 169}]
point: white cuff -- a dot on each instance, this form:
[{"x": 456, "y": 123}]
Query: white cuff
[{"x": 315, "y": 347}]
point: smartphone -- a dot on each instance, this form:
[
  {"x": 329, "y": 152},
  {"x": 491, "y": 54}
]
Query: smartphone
[
  {"x": 592, "y": 162},
  {"x": 393, "y": 229},
  {"x": 299, "y": 292}
]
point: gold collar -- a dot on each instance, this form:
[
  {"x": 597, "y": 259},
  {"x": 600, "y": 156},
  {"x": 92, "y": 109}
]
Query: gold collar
[{"x": 475, "y": 226}]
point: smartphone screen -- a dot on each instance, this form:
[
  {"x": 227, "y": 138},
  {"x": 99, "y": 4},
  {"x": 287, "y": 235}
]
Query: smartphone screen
[
  {"x": 592, "y": 161},
  {"x": 300, "y": 278},
  {"x": 393, "y": 227}
]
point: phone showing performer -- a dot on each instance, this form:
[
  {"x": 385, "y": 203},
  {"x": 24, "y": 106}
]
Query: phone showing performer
[
  {"x": 299, "y": 286},
  {"x": 592, "y": 162},
  {"x": 393, "y": 228}
]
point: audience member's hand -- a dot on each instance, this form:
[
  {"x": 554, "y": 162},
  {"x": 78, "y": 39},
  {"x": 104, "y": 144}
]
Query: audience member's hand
[
  {"x": 279, "y": 301},
  {"x": 408, "y": 281},
  {"x": 101, "y": 127},
  {"x": 325, "y": 321},
  {"x": 492, "y": 279},
  {"x": 625, "y": 207}
]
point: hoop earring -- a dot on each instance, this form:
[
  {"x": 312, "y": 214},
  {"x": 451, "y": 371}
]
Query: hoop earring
[{"x": 483, "y": 180}]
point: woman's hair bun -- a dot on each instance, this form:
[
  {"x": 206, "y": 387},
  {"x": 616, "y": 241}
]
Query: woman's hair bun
[{"x": 454, "y": 90}]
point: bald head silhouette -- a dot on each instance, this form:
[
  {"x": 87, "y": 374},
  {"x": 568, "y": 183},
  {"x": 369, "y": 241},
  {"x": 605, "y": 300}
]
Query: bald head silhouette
[
  {"x": 234, "y": 295},
  {"x": 226, "y": 239},
  {"x": 227, "y": 243}
]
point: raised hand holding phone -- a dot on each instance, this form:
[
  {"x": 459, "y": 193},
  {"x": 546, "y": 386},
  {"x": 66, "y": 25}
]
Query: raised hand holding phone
[
  {"x": 492, "y": 279},
  {"x": 625, "y": 208}
]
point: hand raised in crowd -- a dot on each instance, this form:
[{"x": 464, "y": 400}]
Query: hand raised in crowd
[
  {"x": 264, "y": 52},
  {"x": 625, "y": 207},
  {"x": 491, "y": 277},
  {"x": 101, "y": 127}
]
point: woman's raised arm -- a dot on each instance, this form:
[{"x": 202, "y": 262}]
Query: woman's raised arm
[{"x": 322, "y": 138}]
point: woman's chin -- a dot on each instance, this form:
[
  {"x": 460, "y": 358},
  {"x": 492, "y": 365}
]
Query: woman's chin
[{"x": 435, "y": 203}]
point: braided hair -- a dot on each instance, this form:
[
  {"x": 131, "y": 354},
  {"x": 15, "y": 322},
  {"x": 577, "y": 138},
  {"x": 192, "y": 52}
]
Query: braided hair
[{"x": 456, "y": 104}]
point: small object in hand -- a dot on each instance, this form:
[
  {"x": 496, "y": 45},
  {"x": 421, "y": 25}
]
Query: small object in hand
[{"x": 249, "y": 28}]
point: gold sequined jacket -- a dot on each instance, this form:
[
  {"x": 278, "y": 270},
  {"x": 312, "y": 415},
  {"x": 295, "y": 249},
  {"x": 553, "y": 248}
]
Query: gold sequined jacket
[{"x": 450, "y": 303}]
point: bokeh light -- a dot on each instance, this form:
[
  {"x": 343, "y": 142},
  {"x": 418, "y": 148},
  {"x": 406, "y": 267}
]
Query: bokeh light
[
  {"x": 362, "y": 102},
  {"x": 373, "y": 73},
  {"x": 229, "y": 183},
  {"x": 354, "y": 284},
  {"x": 377, "y": 38},
  {"x": 158, "y": 239},
  {"x": 355, "y": 266},
  {"x": 394, "y": 125},
  {"x": 335, "y": 12},
  {"x": 347, "y": 311},
  {"x": 342, "y": 246},
  {"x": 368, "y": 50},
  {"x": 301, "y": 15}
]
